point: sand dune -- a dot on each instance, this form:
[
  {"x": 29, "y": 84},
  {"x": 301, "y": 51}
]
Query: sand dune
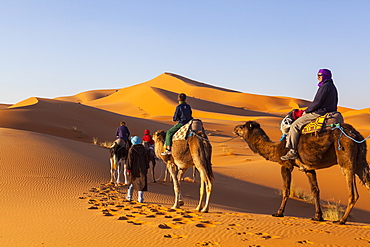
[
  {"x": 54, "y": 189},
  {"x": 87, "y": 96}
]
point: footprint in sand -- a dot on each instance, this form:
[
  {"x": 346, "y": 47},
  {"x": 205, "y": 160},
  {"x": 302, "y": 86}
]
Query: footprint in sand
[
  {"x": 266, "y": 235},
  {"x": 206, "y": 224},
  {"x": 363, "y": 239},
  {"x": 183, "y": 220},
  {"x": 169, "y": 226},
  {"x": 138, "y": 222},
  {"x": 305, "y": 242},
  {"x": 234, "y": 224},
  {"x": 174, "y": 236},
  {"x": 319, "y": 231},
  {"x": 207, "y": 243},
  {"x": 263, "y": 235},
  {"x": 111, "y": 212}
]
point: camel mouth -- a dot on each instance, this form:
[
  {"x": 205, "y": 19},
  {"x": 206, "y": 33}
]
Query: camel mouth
[{"x": 237, "y": 130}]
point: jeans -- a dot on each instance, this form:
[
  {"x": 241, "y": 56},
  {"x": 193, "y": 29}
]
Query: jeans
[
  {"x": 170, "y": 133},
  {"x": 296, "y": 127}
]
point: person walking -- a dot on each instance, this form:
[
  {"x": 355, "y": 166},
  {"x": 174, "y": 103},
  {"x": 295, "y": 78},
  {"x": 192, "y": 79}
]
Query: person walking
[{"x": 137, "y": 169}]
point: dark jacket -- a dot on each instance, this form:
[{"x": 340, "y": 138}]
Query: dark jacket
[
  {"x": 122, "y": 132},
  {"x": 138, "y": 164},
  {"x": 326, "y": 99},
  {"x": 183, "y": 113}
]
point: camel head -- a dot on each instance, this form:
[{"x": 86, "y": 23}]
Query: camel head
[
  {"x": 159, "y": 136},
  {"x": 245, "y": 129},
  {"x": 251, "y": 132}
]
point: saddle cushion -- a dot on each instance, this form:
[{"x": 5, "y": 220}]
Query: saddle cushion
[{"x": 323, "y": 123}]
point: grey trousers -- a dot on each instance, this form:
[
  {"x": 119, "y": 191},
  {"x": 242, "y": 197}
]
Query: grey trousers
[{"x": 295, "y": 129}]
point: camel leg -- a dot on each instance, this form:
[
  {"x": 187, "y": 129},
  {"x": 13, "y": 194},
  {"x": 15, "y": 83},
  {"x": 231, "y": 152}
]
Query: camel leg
[
  {"x": 286, "y": 174},
  {"x": 209, "y": 187},
  {"x": 201, "y": 194},
  {"x": 153, "y": 166},
  {"x": 353, "y": 195},
  {"x": 119, "y": 171},
  {"x": 166, "y": 171},
  {"x": 316, "y": 194},
  {"x": 194, "y": 173},
  {"x": 180, "y": 175},
  {"x": 173, "y": 170},
  {"x": 125, "y": 175},
  {"x": 205, "y": 186},
  {"x": 113, "y": 167}
]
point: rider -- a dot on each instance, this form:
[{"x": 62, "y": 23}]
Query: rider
[
  {"x": 182, "y": 116},
  {"x": 326, "y": 100},
  {"x": 122, "y": 133},
  {"x": 147, "y": 137}
]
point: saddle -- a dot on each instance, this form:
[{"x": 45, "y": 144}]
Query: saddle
[
  {"x": 193, "y": 125},
  {"x": 323, "y": 123}
]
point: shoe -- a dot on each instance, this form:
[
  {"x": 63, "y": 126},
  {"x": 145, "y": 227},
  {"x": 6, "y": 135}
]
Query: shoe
[
  {"x": 167, "y": 152},
  {"x": 291, "y": 155}
]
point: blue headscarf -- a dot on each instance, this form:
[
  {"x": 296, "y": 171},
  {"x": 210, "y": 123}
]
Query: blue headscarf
[{"x": 135, "y": 140}]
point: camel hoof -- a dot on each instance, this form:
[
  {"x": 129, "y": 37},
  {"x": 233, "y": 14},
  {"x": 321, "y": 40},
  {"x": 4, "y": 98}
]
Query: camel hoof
[
  {"x": 181, "y": 203},
  {"x": 278, "y": 215},
  {"x": 204, "y": 210}
]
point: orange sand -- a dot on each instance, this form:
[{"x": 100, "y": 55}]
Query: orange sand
[{"x": 52, "y": 178}]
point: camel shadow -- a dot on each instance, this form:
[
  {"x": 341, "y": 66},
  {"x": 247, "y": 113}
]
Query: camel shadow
[{"x": 231, "y": 194}]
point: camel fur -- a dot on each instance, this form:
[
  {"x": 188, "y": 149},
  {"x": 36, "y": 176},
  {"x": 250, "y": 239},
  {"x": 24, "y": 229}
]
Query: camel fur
[
  {"x": 315, "y": 152},
  {"x": 195, "y": 151}
]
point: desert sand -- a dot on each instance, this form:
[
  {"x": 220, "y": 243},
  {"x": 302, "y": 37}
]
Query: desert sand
[{"x": 54, "y": 181}]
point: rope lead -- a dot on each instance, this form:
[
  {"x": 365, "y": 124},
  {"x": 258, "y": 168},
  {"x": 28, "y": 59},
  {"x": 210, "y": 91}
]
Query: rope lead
[{"x": 337, "y": 126}]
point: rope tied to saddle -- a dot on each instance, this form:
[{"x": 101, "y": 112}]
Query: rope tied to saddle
[
  {"x": 205, "y": 139},
  {"x": 338, "y": 126}
]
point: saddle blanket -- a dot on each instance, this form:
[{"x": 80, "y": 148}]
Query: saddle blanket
[
  {"x": 323, "y": 122},
  {"x": 182, "y": 133}
]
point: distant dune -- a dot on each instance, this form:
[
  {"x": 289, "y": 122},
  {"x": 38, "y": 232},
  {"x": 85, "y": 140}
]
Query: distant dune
[{"x": 54, "y": 188}]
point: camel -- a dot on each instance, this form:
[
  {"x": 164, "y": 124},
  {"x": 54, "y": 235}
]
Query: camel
[
  {"x": 195, "y": 151},
  {"x": 118, "y": 156},
  {"x": 315, "y": 152}
]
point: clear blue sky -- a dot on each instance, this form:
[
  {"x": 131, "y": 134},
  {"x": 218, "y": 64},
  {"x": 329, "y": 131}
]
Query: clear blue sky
[{"x": 52, "y": 48}]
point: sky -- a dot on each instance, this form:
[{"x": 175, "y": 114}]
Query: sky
[{"x": 54, "y": 48}]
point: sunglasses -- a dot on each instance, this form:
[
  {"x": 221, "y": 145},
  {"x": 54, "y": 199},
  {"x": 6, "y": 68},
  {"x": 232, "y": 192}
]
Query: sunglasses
[{"x": 319, "y": 74}]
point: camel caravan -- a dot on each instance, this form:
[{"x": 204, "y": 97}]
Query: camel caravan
[{"x": 323, "y": 141}]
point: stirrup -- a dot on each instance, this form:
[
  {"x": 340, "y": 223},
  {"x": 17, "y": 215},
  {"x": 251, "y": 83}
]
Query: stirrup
[{"x": 167, "y": 152}]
